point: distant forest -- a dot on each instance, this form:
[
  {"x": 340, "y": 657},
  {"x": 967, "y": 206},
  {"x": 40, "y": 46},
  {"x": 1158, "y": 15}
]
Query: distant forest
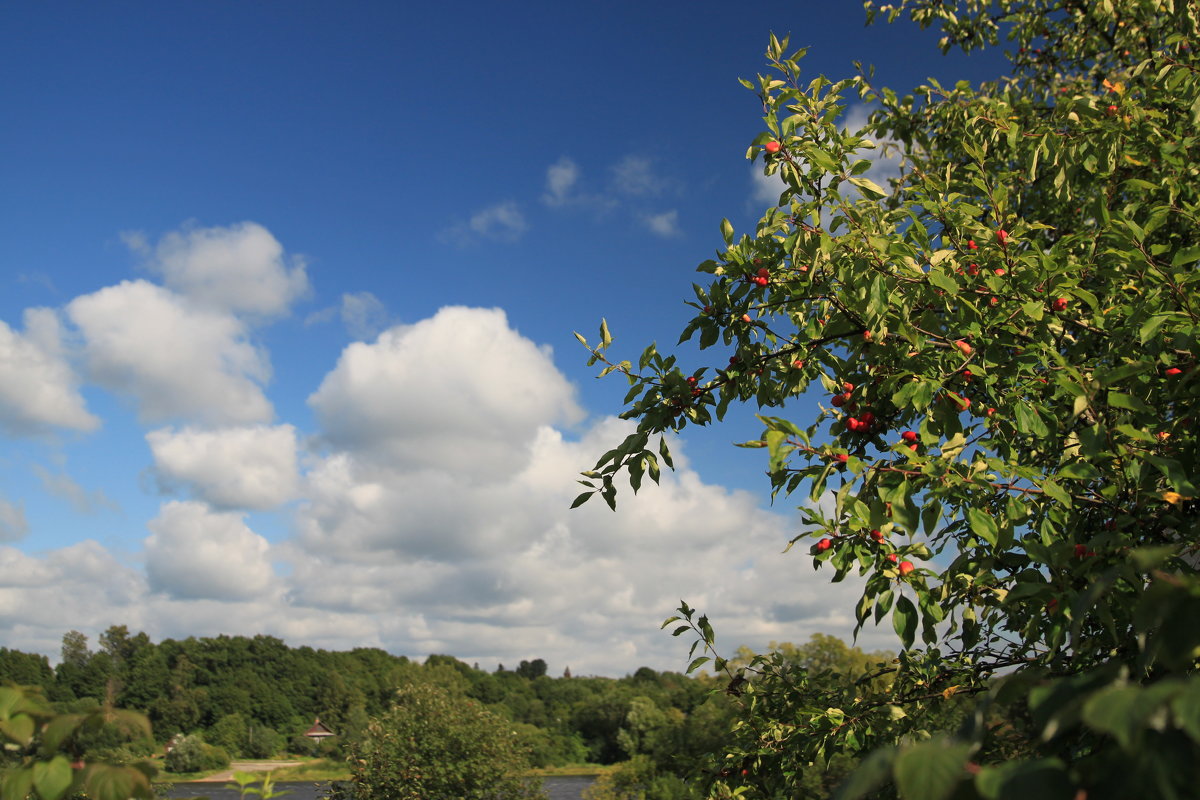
[{"x": 256, "y": 696}]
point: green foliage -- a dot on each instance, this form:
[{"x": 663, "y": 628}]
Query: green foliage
[
  {"x": 248, "y": 784},
  {"x": 1006, "y": 338},
  {"x": 434, "y": 746},
  {"x": 37, "y": 747},
  {"x": 193, "y": 754},
  {"x": 640, "y": 779}
]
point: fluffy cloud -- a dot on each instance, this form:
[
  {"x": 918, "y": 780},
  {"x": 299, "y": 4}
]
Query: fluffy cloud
[
  {"x": 196, "y": 553},
  {"x": 252, "y": 467},
  {"x": 241, "y": 268},
  {"x": 38, "y": 388},
  {"x": 177, "y": 360},
  {"x": 437, "y": 520},
  {"x": 460, "y": 389}
]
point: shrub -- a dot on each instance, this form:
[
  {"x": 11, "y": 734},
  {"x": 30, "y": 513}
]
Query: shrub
[{"x": 436, "y": 746}]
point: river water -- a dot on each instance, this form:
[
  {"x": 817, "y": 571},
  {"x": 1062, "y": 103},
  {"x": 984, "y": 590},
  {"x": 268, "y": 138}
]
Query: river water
[{"x": 565, "y": 788}]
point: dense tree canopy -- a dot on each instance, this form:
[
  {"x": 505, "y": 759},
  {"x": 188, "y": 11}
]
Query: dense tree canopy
[{"x": 1006, "y": 341}]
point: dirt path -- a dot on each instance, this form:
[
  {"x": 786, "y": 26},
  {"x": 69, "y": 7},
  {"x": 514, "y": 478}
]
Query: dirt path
[{"x": 245, "y": 766}]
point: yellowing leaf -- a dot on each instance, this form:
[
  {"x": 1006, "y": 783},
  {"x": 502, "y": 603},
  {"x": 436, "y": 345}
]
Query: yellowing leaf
[
  {"x": 1116, "y": 88},
  {"x": 949, "y": 691},
  {"x": 1174, "y": 498}
]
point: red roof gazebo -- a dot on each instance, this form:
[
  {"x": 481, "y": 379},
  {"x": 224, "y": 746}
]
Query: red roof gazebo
[{"x": 319, "y": 731}]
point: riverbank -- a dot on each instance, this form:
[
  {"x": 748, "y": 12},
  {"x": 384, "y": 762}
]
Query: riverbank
[{"x": 326, "y": 770}]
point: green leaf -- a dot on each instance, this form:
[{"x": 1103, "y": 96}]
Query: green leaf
[
  {"x": 983, "y": 525},
  {"x": 1116, "y": 710},
  {"x": 870, "y": 189},
  {"x": 17, "y": 729},
  {"x": 1025, "y": 780},
  {"x": 931, "y": 770},
  {"x": 1185, "y": 255},
  {"x": 1186, "y": 708},
  {"x": 696, "y": 663},
  {"x": 869, "y": 775},
  {"x": 727, "y": 232},
  {"x": 52, "y": 778},
  {"x": 904, "y": 620}
]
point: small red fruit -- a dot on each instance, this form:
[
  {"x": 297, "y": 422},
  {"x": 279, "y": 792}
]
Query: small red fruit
[
  {"x": 763, "y": 272},
  {"x": 853, "y": 425},
  {"x": 747, "y": 318},
  {"x": 971, "y": 245},
  {"x": 691, "y": 380},
  {"x": 905, "y": 568},
  {"x": 1111, "y": 111},
  {"x": 824, "y": 544},
  {"x": 989, "y": 412},
  {"x": 847, "y": 387},
  {"x": 759, "y": 280},
  {"x": 838, "y": 400},
  {"x": 909, "y": 436},
  {"x": 798, "y": 364},
  {"x": 1002, "y": 237},
  {"x": 913, "y": 447},
  {"x": 1060, "y": 304},
  {"x": 867, "y": 418},
  {"x": 892, "y": 557},
  {"x": 772, "y": 147},
  {"x": 1173, "y": 371},
  {"x": 1081, "y": 551},
  {"x": 841, "y": 458},
  {"x": 708, "y": 310},
  {"x": 973, "y": 269},
  {"x": 964, "y": 346},
  {"x": 1000, "y": 271},
  {"x": 877, "y": 535}
]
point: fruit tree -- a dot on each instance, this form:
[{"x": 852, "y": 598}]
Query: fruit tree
[{"x": 1004, "y": 341}]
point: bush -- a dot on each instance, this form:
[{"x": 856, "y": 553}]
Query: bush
[
  {"x": 193, "y": 754},
  {"x": 436, "y": 746}
]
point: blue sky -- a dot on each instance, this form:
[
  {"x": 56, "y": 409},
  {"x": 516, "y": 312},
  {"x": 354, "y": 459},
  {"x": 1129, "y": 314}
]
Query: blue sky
[{"x": 289, "y": 294}]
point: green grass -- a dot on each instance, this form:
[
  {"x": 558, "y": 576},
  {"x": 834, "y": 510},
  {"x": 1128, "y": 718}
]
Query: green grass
[
  {"x": 318, "y": 771},
  {"x": 569, "y": 770}
]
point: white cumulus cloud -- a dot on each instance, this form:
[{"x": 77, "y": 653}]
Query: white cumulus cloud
[
  {"x": 249, "y": 467},
  {"x": 38, "y": 388},
  {"x": 461, "y": 388},
  {"x": 194, "y": 552},
  {"x": 177, "y": 360},
  {"x": 241, "y": 268}
]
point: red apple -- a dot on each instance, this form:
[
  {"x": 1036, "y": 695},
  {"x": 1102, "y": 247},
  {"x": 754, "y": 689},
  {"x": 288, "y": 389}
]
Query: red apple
[
  {"x": 964, "y": 346},
  {"x": 1002, "y": 237},
  {"x": 838, "y": 400},
  {"x": 909, "y": 436},
  {"x": 1000, "y": 271},
  {"x": 1060, "y": 304},
  {"x": 971, "y": 245},
  {"x": 892, "y": 557},
  {"x": 905, "y": 568},
  {"x": 841, "y": 458},
  {"x": 772, "y": 147},
  {"x": 824, "y": 544},
  {"x": 1173, "y": 371},
  {"x": 877, "y": 535}
]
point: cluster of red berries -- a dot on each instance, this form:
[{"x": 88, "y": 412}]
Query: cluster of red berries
[{"x": 762, "y": 277}]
